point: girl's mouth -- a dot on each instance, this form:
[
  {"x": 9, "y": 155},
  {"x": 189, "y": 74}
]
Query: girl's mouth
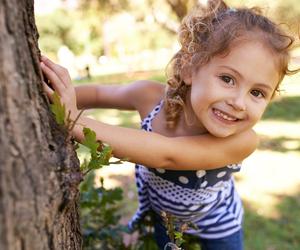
[{"x": 224, "y": 116}]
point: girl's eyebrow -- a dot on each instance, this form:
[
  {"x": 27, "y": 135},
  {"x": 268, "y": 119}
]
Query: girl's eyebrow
[
  {"x": 262, "y": 85},
  {"x": 232, "y": 69},
  {"x": 265, "y": 86}
]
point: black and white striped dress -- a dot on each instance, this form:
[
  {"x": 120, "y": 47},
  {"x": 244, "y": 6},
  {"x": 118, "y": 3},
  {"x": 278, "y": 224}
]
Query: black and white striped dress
[{"x": 206, "y": 198}]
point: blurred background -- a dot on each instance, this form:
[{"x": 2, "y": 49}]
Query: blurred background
[{"x": 118, "y": 41}]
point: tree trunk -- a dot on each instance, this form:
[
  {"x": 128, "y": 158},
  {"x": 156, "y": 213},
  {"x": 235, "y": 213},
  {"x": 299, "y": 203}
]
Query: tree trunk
[{"x": 39, "y": 171}]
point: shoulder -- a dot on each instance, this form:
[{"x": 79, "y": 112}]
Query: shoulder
[{"x": 147, "y": 94}]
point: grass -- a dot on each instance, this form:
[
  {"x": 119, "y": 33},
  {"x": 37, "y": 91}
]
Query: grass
[
  {"x": 285, "y": 109},
  {"x": 282, "y": 233},
  {"x": 270, "y": 181},
  {"x": 280, "y": 144}
]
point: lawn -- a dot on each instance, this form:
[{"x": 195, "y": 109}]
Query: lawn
[{"x": 269, "y": 182}]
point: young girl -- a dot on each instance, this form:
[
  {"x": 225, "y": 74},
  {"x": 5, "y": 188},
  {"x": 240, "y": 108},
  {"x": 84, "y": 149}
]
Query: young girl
[{"x": 197, "y": 129}]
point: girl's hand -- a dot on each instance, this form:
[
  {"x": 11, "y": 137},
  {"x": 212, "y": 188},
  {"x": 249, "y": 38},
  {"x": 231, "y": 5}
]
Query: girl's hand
[{"x": 61, "y": 82}]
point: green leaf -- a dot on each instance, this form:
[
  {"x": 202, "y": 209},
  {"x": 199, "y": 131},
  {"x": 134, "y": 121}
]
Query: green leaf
[
  {"x": 105, "y": 155},
  {"x": 94, "y": 163},
  {"x": 90, "y": 141},
  {"x": 101, "y": 158},
  {"x": 110, "y": 196},
  {"x": 84, "y": 165},
  {"x": 179, "y": 238},
  {"x": 58, "y": 109}
]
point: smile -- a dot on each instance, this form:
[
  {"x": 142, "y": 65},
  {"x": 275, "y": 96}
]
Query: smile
[{"x": 224, "y": 116}]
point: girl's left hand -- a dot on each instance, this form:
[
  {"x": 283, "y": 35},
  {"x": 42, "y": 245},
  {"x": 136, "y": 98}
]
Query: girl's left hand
[{"x": 61, "y": 82}]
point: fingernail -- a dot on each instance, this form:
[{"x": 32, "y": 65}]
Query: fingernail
[{"x": 42, "y": 64}]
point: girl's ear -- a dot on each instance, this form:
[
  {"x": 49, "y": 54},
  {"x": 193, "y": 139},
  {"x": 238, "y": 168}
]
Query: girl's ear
[
  {"x": 188, "y": 80},
  {"x": 187, "y": 75}
]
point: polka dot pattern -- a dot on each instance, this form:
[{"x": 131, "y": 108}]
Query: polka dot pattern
[
  {"x": 221, "y": 174},
  {"x": 204, "y": 184},
  {"x": 183, "y": 180},
  {"x": 146, "y": 123},
  {"x": 200, "y": 173},
  {"x": 173, "y": 192},
  {"x": 234, "y": 166},
  {"x": 161, "y": 170}
]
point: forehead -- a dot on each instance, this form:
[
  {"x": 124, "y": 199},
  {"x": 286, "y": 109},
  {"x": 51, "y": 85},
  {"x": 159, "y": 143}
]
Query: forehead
[{"x": 253, "y": 60}]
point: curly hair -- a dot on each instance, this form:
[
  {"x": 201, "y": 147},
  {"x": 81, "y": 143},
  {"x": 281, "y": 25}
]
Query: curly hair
[{"x": 210, "y": 30}]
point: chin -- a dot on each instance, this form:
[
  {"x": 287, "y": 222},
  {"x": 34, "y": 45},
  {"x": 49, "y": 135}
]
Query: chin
[{"x": 221, "y": 134}]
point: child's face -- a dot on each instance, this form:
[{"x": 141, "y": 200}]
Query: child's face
[{"x": 231, "y": 93}]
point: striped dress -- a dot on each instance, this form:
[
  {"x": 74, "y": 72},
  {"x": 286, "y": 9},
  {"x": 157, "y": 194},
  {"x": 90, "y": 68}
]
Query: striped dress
[{"x": 207, "y": 198}]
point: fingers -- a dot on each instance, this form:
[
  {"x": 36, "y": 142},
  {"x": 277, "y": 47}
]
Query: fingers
[
  {"x": 60, "y": 71},
  {"x": 48, "y": 90},
  {"x": 56, "y": 82}
]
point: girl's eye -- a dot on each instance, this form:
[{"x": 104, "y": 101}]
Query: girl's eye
[
  {"x": 257, "y": 93},
  {"x": 227, "y": 79}
]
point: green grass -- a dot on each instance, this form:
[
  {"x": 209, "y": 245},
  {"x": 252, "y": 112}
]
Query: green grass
[
  {"x": 285, "y": 109},
  {"x": 281, "y": 144},
  {"x": 283, "y": 233}
]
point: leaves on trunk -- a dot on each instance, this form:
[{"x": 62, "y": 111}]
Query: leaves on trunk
[{"x": 58, "y": 109}]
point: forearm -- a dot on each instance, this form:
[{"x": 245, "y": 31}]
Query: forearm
[
  {"x": 104, "y": 96},
  {"x": 136, "y": 145},
  {"x": 86, "y": 96}
]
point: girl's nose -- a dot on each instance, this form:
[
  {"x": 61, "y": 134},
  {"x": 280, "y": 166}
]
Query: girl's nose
[{"x": 237, "y": 102}]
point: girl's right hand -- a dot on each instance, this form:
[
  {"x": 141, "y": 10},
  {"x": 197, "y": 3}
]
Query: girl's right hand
[{"x": 61, "y": 83}]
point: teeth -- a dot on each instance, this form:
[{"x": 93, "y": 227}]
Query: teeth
[{"x": 224, "y": 116}]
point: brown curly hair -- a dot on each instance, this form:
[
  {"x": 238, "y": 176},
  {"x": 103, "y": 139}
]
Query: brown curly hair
[{"x": 208, "y": 31}]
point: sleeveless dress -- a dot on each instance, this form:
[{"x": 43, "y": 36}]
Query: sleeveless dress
[{"x": 207, "y": 198}]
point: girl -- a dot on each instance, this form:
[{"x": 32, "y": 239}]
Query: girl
[{"x": 198, "y": 128}]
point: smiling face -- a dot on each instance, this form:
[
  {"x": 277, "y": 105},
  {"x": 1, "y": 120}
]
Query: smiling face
[{"x": 230, "y": 93}]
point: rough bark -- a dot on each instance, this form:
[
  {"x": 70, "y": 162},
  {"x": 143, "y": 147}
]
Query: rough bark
[{"x": 39, "y": 171}]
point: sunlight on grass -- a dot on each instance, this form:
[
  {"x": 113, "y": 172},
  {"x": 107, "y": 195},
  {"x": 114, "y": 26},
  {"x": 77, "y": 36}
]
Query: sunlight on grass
[
  {"x": 273, "y": 170},
  {"x": 278, "y": 128},
  {"x": 116, "y": 117},
  {"x": 291, "y": 85},
  {"x": 265, "y": 177}
]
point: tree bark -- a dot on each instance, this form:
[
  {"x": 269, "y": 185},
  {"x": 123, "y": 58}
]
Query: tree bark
[{"x": 39, "y": 170}]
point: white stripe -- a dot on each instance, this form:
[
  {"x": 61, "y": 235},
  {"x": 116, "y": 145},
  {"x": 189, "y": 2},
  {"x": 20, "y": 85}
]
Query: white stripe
[
  {"x": 179, "y": 214},
  {"x": 222, "y": 227},
  {"x": 188, "y": 218},
  {"x": 206, "y": 204},
  {"x": 215, "y": 235},
  {"x": 210, "y": 221},
  {"x": 154, "y": 197}
]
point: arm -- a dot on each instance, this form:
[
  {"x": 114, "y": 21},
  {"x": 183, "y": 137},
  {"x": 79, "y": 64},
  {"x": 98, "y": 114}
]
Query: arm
[
  {"x": 152, "y": 149},
  {"x": 103, "y": 96},
  {"x": 126, "y": 97},
  {"x": 177, "y": 153}
]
